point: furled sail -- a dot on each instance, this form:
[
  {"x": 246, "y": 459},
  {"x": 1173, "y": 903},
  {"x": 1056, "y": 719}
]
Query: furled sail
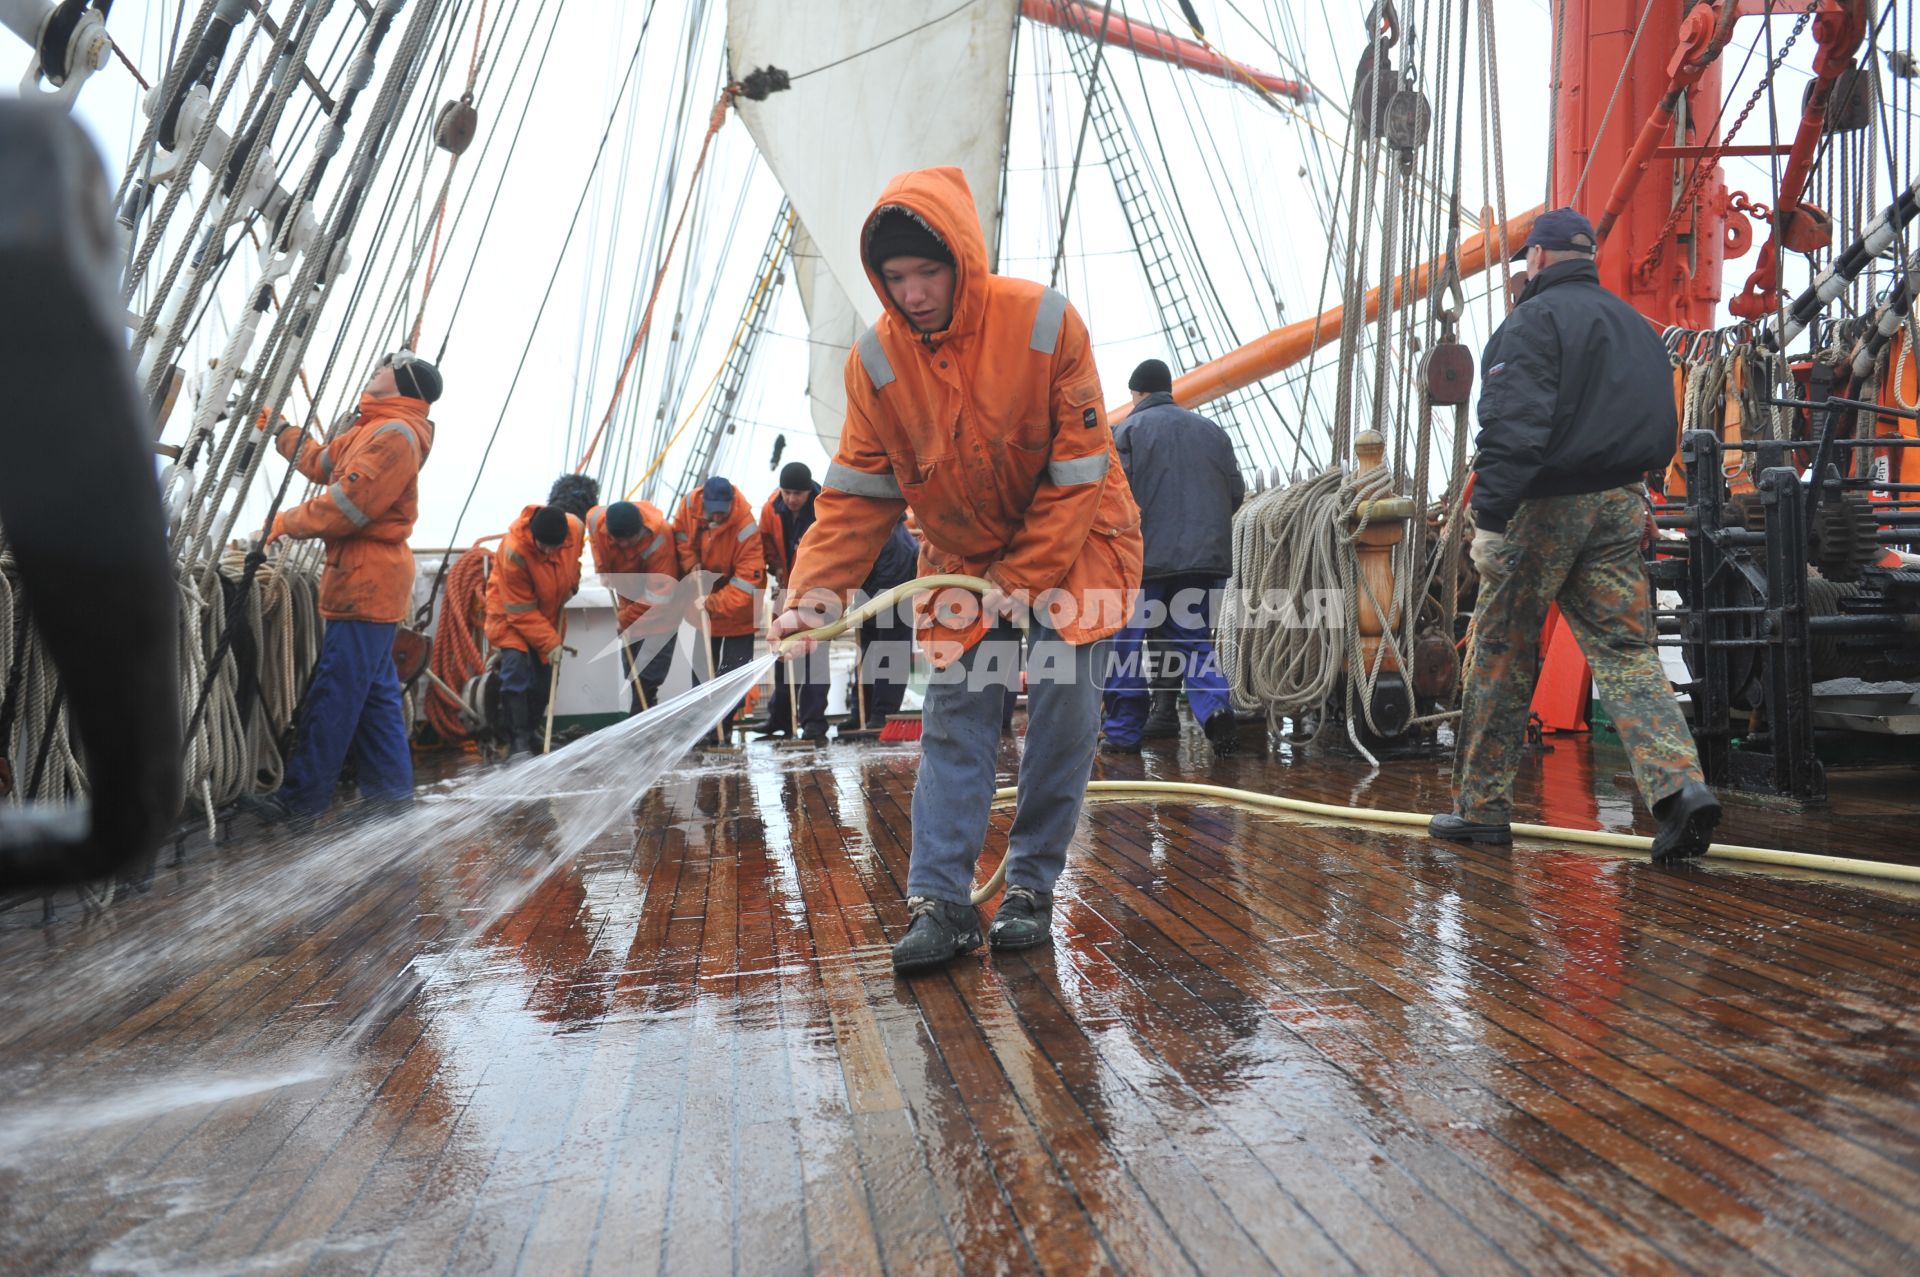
[{"x": 877, "y": 87}]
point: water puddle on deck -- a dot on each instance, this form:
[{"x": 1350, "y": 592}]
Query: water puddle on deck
[{"x": 360, "y": 913}]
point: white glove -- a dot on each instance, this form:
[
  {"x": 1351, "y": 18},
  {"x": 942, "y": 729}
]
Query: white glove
[
  {"x": 553, "y": 657},
  {"x": 1490, "y": 556}
]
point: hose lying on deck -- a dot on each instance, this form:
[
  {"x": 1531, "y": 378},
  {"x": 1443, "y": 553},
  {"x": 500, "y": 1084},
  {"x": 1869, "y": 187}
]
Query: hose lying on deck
[{"x": 1360, "y": 816}]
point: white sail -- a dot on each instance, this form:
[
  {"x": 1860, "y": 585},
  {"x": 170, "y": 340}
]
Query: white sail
[
  {"x": 833, "y": 324},
  {"x": 882, "y": 86}
]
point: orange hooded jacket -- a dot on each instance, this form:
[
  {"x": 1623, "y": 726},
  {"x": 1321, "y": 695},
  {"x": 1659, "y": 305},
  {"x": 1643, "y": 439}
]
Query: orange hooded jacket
[
  {"x": 529, "y": 586},
  {"x": 371, "y": 470},
  {"x": 993, "y": 433},
  {"x": 732, "y": 552},
  {"x": 651, "y": 555}
]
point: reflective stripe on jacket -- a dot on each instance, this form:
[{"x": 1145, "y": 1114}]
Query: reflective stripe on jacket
[
  {"x": 651, "y": 555},
  {"x": 732, "y": 553},
  {"x": 529, "y": 586},
  {"x": 994, "y": 432},
  {"x": 366, "y": 511}
]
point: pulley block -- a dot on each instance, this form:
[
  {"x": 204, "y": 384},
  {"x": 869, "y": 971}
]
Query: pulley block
[
  {"x": 454, "y": 127},
  {"x": 1448, "y": 369},
  {"x": 1850, "y": 105},
  {"x": 1409, "y": 117},
  {"x": 1806, "y": 228}
]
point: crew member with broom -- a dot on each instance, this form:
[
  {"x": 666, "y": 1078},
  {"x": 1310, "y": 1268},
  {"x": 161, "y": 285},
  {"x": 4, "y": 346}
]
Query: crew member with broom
[
  {"x": 714, "y": 534},
  {"x": 974, "y": 401},
  {"x": 634, "y": 556},
  {"x": 535, "y": 571}
]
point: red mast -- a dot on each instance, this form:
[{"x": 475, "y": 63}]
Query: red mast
[
  {"x": 1665, "y": 117},
  {"x": 1667, "y": 223}
]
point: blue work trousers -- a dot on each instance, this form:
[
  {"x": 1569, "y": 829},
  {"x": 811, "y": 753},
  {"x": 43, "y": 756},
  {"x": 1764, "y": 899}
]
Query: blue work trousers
[
  {"x": 1183, "y": 635},
  {"x": 961, "y": 740},
  {"x": 352, "y": 703}
]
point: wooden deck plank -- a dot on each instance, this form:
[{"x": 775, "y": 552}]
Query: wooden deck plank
[{"x": 1255, "y": 1044}]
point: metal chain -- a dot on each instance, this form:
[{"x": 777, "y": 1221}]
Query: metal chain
[{"x": 1705, "y": 165}]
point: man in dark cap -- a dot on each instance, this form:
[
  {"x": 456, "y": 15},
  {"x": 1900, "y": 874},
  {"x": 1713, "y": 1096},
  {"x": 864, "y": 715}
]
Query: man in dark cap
[
  {"x": 784, "y": 520},
  {"x": 715, "y": 535},
  {"x": 535, "y": 571},
  {"x": 1187, "y": 483},
  {"x": 363, "y": 515},
  {"x": 1576, "y": 408}
]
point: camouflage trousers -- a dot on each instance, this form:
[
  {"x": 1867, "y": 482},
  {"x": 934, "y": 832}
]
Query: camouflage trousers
[{"x": 1582, "y": 552}]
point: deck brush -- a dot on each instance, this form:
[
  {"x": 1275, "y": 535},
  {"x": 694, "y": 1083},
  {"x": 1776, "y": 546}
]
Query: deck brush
[{"x": 902, "y": 727}]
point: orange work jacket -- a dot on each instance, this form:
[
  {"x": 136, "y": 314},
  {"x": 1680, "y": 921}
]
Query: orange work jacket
[
  {"x": 651, "y": 555},
  {"x": 530, "y": 586},
  {"x": 732, "y": 552},
  {"x": 372, "y": 471},
  {"x": 993, "y": 433}
]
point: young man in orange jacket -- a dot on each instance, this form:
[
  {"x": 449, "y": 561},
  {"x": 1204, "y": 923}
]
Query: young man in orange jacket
[
  {"x": 975, "y": 403},
  {"x": 371, "y": 470},
  {"x": 634, "y": 556},
  {"x": 535, "y": 571},
  {"x": 714, "y": 534},
  {"x": 784, "y": 521}
]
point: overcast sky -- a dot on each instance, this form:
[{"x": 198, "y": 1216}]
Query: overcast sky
[{"x": 1245, "y": 172}]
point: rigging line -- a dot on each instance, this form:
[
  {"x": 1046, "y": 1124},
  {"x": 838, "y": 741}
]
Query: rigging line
[
  {"x": 584, "y": 392},
  {"x": 861, "y": 53},
  {"x": 739, "y": 335},
  {"x": 453, "y": 163},
  {"x": 655, "y": 254},
  {"x": 1086, "y": 119},
  {"x": 1197, "y": 265},
  {"x": 1606, "y": 116},
  {"x": 719, "y": 118},
  {"x": 533, "y": 329},
  {"x": 412, "y": 153},
  {"x": 513, "y": 150}
]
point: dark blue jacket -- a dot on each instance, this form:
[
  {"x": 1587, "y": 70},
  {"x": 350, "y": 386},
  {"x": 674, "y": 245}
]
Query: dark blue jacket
[
  {"x": 1187, "y": 482},
  {"x": 1577, "y": 397},
  {"x": 897, "y": 563}
]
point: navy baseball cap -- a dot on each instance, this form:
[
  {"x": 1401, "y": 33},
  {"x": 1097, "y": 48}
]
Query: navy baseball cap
[
  {"x": 1560, "y": 230},
  {"x": 717, "y": 495}
]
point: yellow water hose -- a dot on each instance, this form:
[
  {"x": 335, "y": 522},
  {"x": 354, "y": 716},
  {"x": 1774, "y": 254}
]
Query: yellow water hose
[{"x": 1362, "y": 816}]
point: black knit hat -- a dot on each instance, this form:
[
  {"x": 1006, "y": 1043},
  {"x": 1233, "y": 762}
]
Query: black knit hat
[
  {"x": 898, "y": 233},
  {"x": 1151, "y": 377},
  {"x": 414, "y": 377},
  {"x": 795, "y": 477},
  {"x": 549, "y": 525},
  {"x": 623, "y": 520}
]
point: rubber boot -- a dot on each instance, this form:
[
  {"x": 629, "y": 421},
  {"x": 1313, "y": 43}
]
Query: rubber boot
[
  {"x": 1687, "y": 821},
  {"x": 941, "y": 931},
  {"x": 1223, "y": 732},
  {"x": 519, "y": 707},
  {"x": 1163, "y": 719},
  {"x": 1025, "y": 919}
]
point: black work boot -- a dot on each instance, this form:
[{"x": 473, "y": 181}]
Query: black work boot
[
  {"x": 1459, "y": 829},
  {"x": 1687, "y": 821},
  {"x": 1223, "y": 732},
  {"x": 1025, "y": 919},
  {"x": 519, "y": 707},
  {"x": 941, "y": 932},
  {"x": 1163, "y": 718}
]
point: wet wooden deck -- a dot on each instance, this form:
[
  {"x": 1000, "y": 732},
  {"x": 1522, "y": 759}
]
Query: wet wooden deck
[{"x": 1255, "y": 1045}]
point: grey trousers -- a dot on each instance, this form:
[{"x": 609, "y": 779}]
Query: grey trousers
[{"x": 960, "y": 728}]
